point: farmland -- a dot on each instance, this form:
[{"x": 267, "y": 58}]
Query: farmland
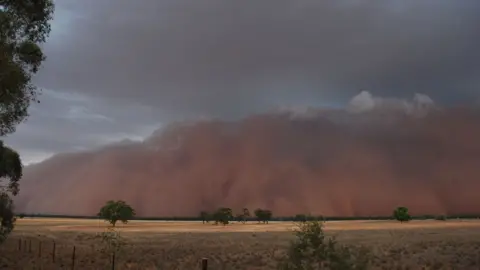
[{"x": 182, "y": 245}]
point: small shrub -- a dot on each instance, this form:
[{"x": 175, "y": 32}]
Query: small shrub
[{"x": 313, "y": 250}]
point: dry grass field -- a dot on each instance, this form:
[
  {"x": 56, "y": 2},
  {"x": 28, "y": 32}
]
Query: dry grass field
[{"x": 453, "y": 244}]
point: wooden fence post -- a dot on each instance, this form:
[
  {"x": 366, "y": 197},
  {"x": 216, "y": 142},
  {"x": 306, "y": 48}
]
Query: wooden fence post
[
  {"x": 73, "y": 258},
  {"x": 39, "y": 248},
  {"x": 53, "y": 252},
  {"x": 19, "y": 244},
  {"x": 204, "y": 264},
  {"x": 30, "y": 246},
  {"x": 113, "y": 260}
]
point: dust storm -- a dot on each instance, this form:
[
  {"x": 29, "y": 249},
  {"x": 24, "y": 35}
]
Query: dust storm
[{"x": 321, "y": 161}]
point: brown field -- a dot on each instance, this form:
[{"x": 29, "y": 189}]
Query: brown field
[{"x": 453, "y": 244}]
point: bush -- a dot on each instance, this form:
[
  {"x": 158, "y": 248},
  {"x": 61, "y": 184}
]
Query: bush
[{"x": 313, "y": 250}]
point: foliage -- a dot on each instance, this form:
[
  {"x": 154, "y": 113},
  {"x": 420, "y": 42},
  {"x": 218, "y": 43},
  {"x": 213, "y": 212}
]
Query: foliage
[
  {"x": 112, "y": 240},
  {"x": 243, "y": 216},
  {"x": 7, "y": 217},
  {"x": 205, "y": 216},
  {"x": 10, "y": 174},
  {"x": 115, "y": 211},
  {"x": 313, "y": 250},
  {"x": 223, "y": 215},
  {"x": 23, "y": 26},
  {"x": 401, "y": 214},
  {"x": 263, "y": 215}
]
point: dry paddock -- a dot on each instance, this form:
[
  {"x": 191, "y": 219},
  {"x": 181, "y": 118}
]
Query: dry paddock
[{"x": 453, "y": 244}]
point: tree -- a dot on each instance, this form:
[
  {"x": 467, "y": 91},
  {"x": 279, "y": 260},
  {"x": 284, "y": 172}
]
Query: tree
[
  {"x": 7, "y": 217},
  {"x": 313, "y": 250},
  {"x": 23, "y": 26},
  {"x": 245, "y": 215},
  {"x": 10, "y": 174},
  {"x": 115, "y": 211},
  {"x": 242, "y": 217},
  {"x": 401, "y": 214},
  {"x": 205, "y": 216},
  {"x": 263, "y": 215},
  {"x": 223, "y": 215}
]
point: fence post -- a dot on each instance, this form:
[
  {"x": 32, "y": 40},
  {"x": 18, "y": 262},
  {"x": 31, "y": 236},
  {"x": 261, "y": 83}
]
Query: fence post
[
  {"x": 204, "y": 264},
  {"x": 113, "y": 260},
  {"x": 30, "y": 246},
  {"x": 40, "y": 248},
  {"x": 53, "y": 252},
  {"x": 20, "y": 244},
  {"x": 73, "y": 258}
]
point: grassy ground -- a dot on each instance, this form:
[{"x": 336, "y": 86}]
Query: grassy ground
[{"x": 182, "y": 245}]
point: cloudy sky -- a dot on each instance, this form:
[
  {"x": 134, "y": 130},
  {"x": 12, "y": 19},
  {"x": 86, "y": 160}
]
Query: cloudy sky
[{"x": 119, "y": 69}]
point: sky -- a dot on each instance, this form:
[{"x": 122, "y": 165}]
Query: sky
[{"x": 121, "y": 69}]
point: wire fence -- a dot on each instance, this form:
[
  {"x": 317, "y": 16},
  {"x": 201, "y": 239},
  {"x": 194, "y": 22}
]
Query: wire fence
[{"x": 33, "y": 253}]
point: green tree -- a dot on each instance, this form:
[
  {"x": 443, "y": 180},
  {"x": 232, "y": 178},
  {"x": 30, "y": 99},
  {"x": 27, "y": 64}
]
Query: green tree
[
  {"x": 115, "y": 211},
  {"x": 23, "y": 26},
  {"x": 311, "y": 249},
  {"x": 7, "y": 217},
  {"x": 263, "y": 215},
  {"x": 401, "y": 214},
  {"x": 223, "y": 215},
  {"x": 10, "y": 174}
]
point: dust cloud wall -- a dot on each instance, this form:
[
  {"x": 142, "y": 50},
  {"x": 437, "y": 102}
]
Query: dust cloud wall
[{"x": 329, "y": 162}]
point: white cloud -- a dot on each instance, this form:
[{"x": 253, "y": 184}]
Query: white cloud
[
  {"x": 366, "y": 102},
  {"x": 82, "y": 113}
]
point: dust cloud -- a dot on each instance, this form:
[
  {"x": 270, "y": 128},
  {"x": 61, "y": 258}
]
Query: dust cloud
[{"x": 364, "y": 160}]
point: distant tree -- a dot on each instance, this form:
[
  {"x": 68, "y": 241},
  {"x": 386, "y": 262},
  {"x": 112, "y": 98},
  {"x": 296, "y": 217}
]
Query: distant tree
[
  {"x": 223, "y": 215},
  {"x": 239, "y": 217},
  {"x": 301, "y": 218},
  {"x": 245, "y": 215},
  {"x": 401, "y": 214},
  {"x": 205, "y": 216},
  {"x": 115, "y": 211},
  {"x": 263, "y": 215}
]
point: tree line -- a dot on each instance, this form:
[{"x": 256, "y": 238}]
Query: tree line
[
  {"x": 225, "y": 215},
  {"x": 114, "y": 211}
]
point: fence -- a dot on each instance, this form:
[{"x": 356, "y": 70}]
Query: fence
[{"x": 44, "y": 253}]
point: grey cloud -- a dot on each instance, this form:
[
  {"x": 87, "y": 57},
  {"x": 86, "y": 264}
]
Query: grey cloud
[
  {"x": 64, "y": 122},
  {"x": 121, "y": 69},
  {"x": 227, "y": 58}
]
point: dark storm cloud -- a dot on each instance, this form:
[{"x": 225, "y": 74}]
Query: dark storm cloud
[{"x": 225, "y": 58}]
